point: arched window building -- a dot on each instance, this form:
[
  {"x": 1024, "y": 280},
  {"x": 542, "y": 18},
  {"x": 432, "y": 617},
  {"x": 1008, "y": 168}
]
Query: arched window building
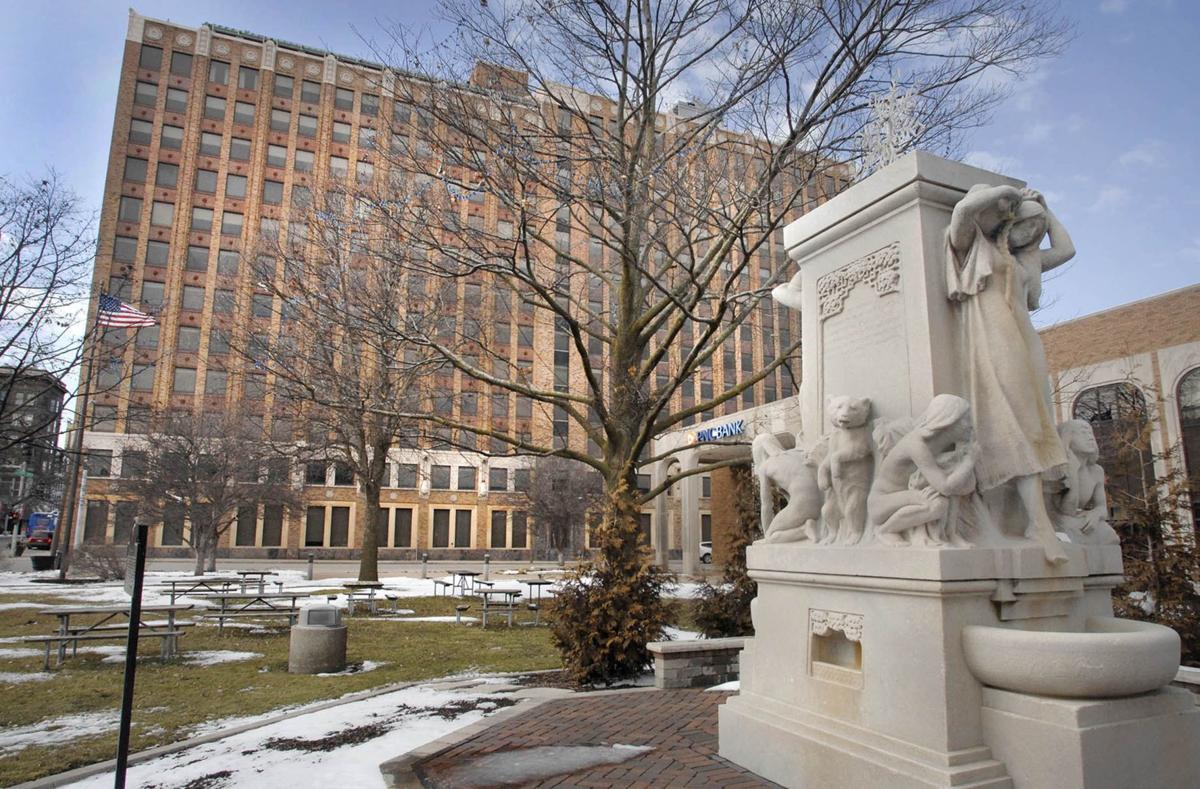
[
  {"x": 1120, "y": 420},
  {"x": 1187, "y": 396}
]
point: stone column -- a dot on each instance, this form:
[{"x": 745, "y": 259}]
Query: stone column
[
  {"x": 662, "y": 532},
  {"x": 689, "y": 501}
]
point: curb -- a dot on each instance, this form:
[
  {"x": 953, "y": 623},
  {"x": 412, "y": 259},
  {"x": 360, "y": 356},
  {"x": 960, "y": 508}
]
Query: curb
[
  {"x": 87, "y": 771},
  {"x": 400, "y": 773}
]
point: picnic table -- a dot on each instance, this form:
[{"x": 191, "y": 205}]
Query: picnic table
[
  {"x": 362, "y": 592},
  {"x": 535, "y": 586},
  {"x": 465, "y": 580},
  {"x": 249, "y": 575},
  {"x": 508, "y": 605},
  {"x": 108, "y": 630},
  {"x": 187, "y": 586},
  {"x": 235, "y": 605}
]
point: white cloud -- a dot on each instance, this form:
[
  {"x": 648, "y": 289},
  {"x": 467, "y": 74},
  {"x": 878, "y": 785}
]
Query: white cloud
[
  {"x": 1110, "y": 198},
  {"x": 1150, "y": 153},
  {"x": 1113, "y": 6},
  {"x": 986, "y": 160}
]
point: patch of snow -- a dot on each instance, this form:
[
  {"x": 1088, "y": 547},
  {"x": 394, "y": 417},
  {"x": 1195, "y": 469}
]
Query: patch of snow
[
  {"x": 57, "y": 730},
  {"x": 735, "y": 685},
  {"x": 14, "y": 654},
  {"x": 356, "y": 668},
  {"x": 431, "y": 619},
  {"x": 677, "y": 634},
  {"x": 217, "y": 656},
  {"x": 405, "y": 719},
  {"x": 21, "y": 604},
  {"x": 17, "y": 677}
]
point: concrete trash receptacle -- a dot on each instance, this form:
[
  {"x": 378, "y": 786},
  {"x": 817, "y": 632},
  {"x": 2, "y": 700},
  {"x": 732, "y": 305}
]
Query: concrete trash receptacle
[{"x": 318, "y": 642}]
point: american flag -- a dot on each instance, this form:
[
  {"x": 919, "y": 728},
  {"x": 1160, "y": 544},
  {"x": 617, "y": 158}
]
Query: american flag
[{"x": 114, "y": 312}]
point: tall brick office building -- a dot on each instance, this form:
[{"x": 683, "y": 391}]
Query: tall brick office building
[{"x": 216, "y": 131}]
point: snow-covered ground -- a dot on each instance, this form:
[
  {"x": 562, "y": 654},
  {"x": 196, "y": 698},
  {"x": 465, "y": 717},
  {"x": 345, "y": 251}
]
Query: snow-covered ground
[{"x": 339, "y": 746}]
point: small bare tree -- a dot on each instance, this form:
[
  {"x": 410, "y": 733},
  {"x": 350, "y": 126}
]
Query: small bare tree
[
  {"x": 640, "y": 158},
  {"x": 208, "y": 468},
  {"x": 562, "y": 494},
  {"x": 340, "y": 365}
]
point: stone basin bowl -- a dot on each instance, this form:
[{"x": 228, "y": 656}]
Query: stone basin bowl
[{"x": 1111, "y": 658}]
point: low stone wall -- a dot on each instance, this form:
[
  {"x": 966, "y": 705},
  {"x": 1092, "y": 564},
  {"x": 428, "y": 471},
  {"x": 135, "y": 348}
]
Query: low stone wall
[{"x": 695, "y": 664}]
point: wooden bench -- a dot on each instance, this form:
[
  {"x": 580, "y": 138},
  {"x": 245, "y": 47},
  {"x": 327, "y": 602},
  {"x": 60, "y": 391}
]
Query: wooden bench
[
  {"x": 444, "y": 586},
  {"x": 355, "y": 598},
  {"x": 169, "y": 638}
]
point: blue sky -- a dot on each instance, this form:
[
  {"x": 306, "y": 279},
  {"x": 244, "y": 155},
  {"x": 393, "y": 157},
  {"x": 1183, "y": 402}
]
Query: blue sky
[{"x": 1107, "y": 131}]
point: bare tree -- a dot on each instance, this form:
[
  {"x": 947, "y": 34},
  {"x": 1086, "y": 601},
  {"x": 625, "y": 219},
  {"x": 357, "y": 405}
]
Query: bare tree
[
  {"x": 209, "y": 468},
  {"x": 339, "y": 364},
  {"x": 573, "y": 128},
  {"x": 562, "y": 494}
]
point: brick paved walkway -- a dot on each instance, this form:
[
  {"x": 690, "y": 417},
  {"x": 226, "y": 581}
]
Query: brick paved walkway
[{"x": 680, "y": 725}]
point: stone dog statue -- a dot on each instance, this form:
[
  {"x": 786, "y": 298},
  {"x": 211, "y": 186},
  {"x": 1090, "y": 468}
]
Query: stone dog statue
[{"x": 844, "y": 475}]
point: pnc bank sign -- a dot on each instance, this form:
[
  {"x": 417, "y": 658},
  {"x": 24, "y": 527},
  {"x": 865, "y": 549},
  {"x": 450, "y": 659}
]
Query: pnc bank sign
[{"x": 727, "y": 430}]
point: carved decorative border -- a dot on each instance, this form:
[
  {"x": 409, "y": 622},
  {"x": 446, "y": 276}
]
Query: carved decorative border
[
  {"x": 821, "y": 622},
  {"x": 880, "y": 269}
]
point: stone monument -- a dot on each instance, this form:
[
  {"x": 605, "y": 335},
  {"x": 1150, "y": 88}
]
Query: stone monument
[{"x": 934, "y": 601}]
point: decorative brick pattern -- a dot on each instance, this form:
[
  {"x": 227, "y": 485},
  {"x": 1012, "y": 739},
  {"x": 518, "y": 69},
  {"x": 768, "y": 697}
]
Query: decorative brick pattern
[
  {"x": 680, "y": 725},
  {"x": 695, "y": 664}
]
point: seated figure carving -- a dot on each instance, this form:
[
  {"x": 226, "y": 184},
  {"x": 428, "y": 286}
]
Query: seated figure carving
[
  {"x": 925, "y": 467},
  {"x": 792, "y": 471},
  {"x": 1077, "y": 501}
]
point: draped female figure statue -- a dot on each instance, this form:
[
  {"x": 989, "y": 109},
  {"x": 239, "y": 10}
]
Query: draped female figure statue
[{"x": 994, "y": 266}]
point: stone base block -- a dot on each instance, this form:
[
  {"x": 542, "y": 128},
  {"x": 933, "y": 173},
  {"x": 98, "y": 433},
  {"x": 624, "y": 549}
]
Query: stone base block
[
  {"x": 1141, "y": 741},
  {"x": 802, "y": 750},
  {"x": 317, "y": 650}
]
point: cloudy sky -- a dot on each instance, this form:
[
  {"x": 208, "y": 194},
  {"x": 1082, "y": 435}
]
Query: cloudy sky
[{"x": 1107, "y": 131}]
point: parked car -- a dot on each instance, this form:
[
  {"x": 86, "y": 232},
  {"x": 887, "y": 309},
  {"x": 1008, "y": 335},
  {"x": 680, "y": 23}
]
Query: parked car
[
  {"x": 40, "y": 531},
  {"x": 706, "y": 551}
]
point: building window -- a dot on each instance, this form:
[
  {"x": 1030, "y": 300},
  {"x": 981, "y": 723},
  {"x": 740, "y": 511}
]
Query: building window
[
  {"x": 177, "y": 100},
  {"x": 248, "y": 78},
  {"x": 214, "y": 108},
  {"x": 98, "y": 462},
  {"x": 406, "y": 476},
  {"x": 310, "y": 92},
  {"x": 509, "y": 529},
  {"x": 304, "y": 161},
  {"x": 150, "y": 58},
  {"x": 243, "y": 113},
  {"x": 341, "y": 132},
  {"x": 210, "y": 145},
  {"x": 218, "y": 72},
  {"x": 272, "y": 192},
  {"x": 439, "y": 477},
  {"x": 281, "y": 121},
  {"x": 104, "y": 418},
  {"x": 95, "y": 523},
  {"x": 130, "y": 209},
  {"x": 706, "y": 527},
  {"x": 402, "y": 531},
  {"x": 223, "y": 302},
  {"x": 245, "y": 531},
  {"x": 206, "y": 181},
  {"x": 145, "y": 93},
  {"x": 142, "y": 379},
  {"x": 216, "y": 382},
  {"x": 162, "y": 214},
  {"x": 369, "y": 105},
  {"x": 185, "y": 380},
  {"x": 260, "y": 305},
  {"x": 152, "y": 295},
  {"x": 497, "y": 479},
  {"x": 193, "y": 298},
  {"x": 343, "y": 99},
  {"x": 521, "y": 479},
  {"x": 444, "y": 536},
  {"x": 364, "y": 172},
  {"x": 285, "y": 86},
  {"x": 1188, "y": 398},
  {"x": 171, "y": 138},
  {"x": 231, "y": 223},
  {"x": 135, "y": 170},
  {"x": 227, "y": 261},
  {"x": 306, "y": 126},
  {"x": 189, "y": 338},
  {"x": 157, "y": 253},
  {"x": 235, "y": 186},
  {"x": 706, "y": 486},
  {"x": 147, "y": 337},
  {"x": 197, "y": 259},
  {"x": 181, "y": 64},
  {"x": 141, "y": 131},
  {"x": 314, "y": 473},
  {"x": 124, "y": 249},
  {"x": 466, "y": 477},
  {"x": 339, "y": 167},
  {"x": 166, "y": 175},
  {"x": 342, "y": 474},
  {"x": 133, "y": 464},
  {"x": 202, "y": 219}
]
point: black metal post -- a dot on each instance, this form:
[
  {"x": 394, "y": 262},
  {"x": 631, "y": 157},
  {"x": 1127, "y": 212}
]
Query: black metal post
[{"x": 131, "y": 648}]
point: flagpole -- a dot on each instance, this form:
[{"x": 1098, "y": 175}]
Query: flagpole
[{"x": 67, "y": 514}]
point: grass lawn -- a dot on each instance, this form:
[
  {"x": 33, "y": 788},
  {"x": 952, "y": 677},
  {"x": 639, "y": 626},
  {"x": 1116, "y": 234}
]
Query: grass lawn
[{"x": 173, "y": 698}]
